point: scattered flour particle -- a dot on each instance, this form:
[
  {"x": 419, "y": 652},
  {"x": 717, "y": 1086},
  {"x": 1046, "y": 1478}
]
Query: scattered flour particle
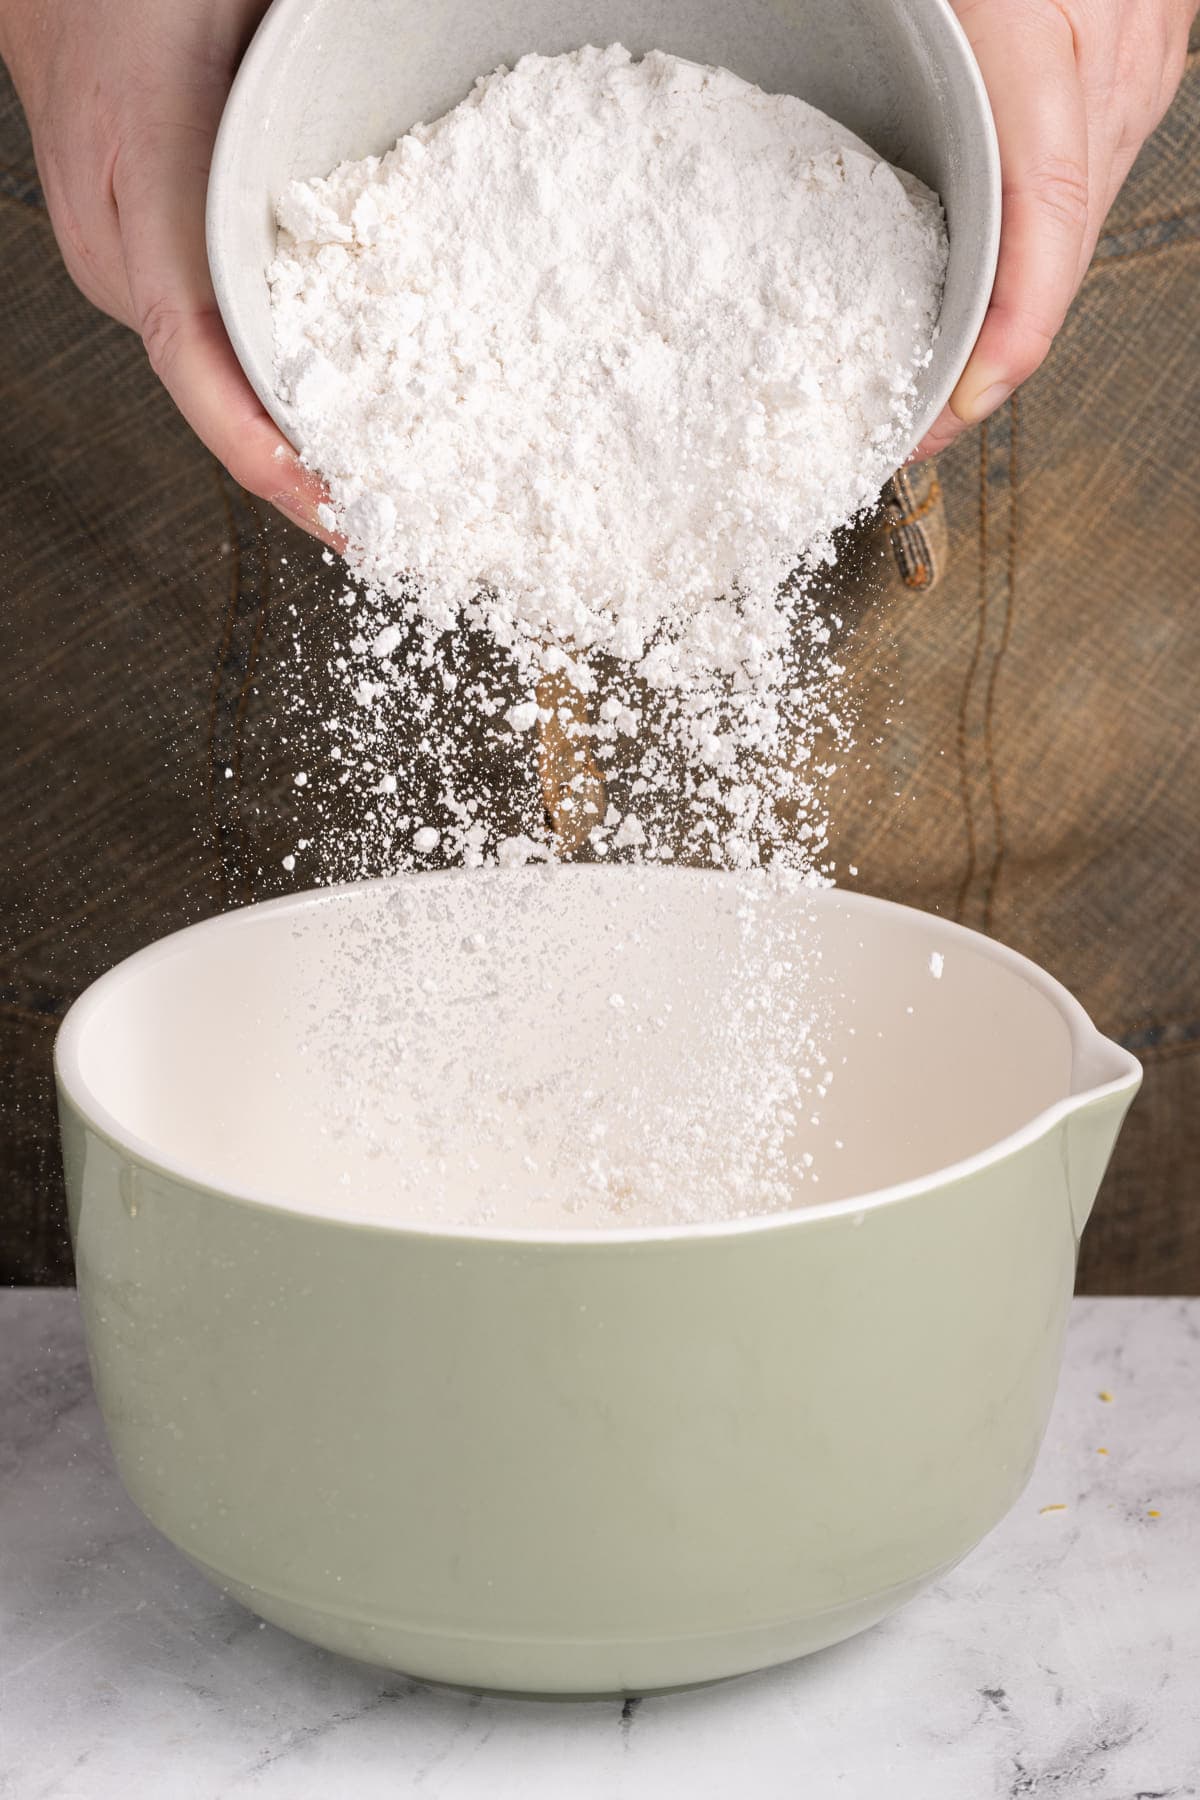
[
  {"x": 386, "y": 641},
  {"x": 524, "y": 716},
  {"x": 426, "y": 839},
  {"x": 937, "y": 963},
  {"x": 515, "y": 852}
]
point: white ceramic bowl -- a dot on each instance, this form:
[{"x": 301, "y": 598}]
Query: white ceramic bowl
[
  {"x": 547, "y": 1456},
  {"x": 328, "y": 80}
]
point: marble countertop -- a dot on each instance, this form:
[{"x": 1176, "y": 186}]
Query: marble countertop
[{"x": 1061, "y": 1659}]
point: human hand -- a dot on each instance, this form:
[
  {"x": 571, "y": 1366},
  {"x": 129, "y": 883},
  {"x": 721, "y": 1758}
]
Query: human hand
[
  {"x": 1077, "y": 86},
  {"x": 123, "y": 99}
]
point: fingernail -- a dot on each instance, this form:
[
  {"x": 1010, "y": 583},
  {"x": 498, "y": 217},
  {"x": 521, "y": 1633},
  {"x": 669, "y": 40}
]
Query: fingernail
[
  {"x": 975, "y": 398},
  {"x": 295, "y": 508}
]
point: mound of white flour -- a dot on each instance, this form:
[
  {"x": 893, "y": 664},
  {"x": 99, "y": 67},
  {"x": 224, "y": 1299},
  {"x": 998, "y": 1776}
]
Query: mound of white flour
[{"x": 605, "y": 353}]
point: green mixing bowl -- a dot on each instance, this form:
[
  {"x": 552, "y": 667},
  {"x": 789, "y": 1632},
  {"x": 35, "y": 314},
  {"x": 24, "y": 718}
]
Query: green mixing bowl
[{"x": 546, "y": 1451}]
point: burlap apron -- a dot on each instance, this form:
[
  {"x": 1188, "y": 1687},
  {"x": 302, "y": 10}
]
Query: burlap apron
[{"x": 1032, "y": 601}]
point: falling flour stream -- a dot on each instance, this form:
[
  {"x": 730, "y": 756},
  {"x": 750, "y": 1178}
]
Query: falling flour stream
[{"x": 593, "y": 368}]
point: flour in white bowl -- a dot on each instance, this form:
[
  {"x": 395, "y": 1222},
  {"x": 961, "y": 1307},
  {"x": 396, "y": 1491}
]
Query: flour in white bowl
[{"x": 607, "y": 351}]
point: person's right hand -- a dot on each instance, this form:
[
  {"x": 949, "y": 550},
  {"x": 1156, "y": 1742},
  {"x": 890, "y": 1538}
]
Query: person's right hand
[
  {"x": 1076, "y": 86},
  {"x": 123, "y": 99}
]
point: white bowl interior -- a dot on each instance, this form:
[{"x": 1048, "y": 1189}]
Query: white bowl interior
[
  {"x": 330, "y": 80},
  {"x": 475, "y": 1048}
]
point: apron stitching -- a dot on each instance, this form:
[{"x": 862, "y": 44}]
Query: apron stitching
[
  {"x": 1171, "y": 218},
  {"x": 1005, "y": 638},
  {"x": 1101, "y": 263},
  {"x": 909, "y": 540},
  {"x": 969, "y": 682},
  {"x": 914, "y": 512}
]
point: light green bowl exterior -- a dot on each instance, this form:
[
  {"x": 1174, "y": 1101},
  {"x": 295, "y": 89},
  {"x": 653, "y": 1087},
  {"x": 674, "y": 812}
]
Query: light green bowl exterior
[{"x": 593, "y": 1467}]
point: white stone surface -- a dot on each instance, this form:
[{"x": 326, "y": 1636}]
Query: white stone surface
[{"x": 1061, "y": 1659}]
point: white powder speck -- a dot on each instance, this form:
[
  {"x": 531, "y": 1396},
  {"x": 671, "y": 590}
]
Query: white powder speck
[
  {"x": 523, "y": 716},
  {"x": 937, "y": 963},
  {"x": 426, "y": 839},
  {"x": 515, "y": 852}
]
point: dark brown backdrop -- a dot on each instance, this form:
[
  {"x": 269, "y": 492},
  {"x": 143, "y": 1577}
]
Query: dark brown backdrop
[{"x": 1038, "y": 617}]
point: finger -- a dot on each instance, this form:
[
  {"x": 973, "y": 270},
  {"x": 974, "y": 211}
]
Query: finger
[
  {"x": 1098, "y": 63},
  {"x": 1101, "y": 193},
  {"x": 159, "y": 193},
  {"x": 1119, "y": 165},
  {"x": 1116, "y": 166},
  {"x": 1101, "y": 151},
  {"x": 1026, "y": 51},
  {"x": 942, "y": 433}
]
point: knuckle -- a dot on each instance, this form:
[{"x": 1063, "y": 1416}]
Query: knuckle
[
  {"x": 1059, "y": 186},
  {"x": 240, "y": 455},
  {"x": 240, "y": 469},
  {"x": 1173, "y": 67},
  {"x": 162, "y": 329},
  {"x": 1029, "y": 352},
  {"x": 1141, "y": 92}
]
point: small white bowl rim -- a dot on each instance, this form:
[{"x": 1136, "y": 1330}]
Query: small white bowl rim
[
  {"x": 276, "y": 24},
  {"x": 1085, "y": 1039}
]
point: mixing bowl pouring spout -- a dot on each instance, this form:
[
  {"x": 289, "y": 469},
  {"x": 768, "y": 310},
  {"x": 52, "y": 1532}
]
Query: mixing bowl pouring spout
[{"x": 1106, "y": 1079}]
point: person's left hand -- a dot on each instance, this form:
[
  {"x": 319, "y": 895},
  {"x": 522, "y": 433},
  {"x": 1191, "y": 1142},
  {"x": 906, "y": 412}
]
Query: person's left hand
[{"x": 123, "y": 99}]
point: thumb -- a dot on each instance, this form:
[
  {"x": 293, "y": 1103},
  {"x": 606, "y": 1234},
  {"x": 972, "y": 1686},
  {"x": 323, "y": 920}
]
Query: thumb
[
  {"x": 159, "y": 186},
  {"x": 1026, "y": 51}
]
